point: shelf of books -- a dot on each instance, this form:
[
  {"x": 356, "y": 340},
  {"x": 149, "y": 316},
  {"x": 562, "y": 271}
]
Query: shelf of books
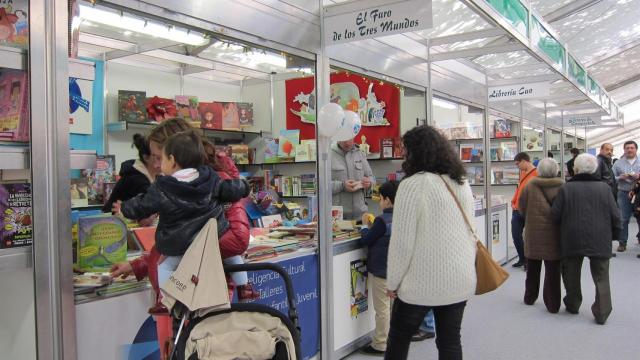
[{"x": 13, "y": 58}]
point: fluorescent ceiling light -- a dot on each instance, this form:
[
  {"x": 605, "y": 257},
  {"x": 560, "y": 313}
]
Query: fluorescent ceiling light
[
  {"x": 444, "y": 104},
  {"x": 141, "y": 26}
]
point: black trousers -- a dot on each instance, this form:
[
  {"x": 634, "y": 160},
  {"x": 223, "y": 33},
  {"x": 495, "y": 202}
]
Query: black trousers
[
  {"x": 571, "y": 269},
  {"x": 406, "y": 319},
  {"x": 551, "y": 288}
]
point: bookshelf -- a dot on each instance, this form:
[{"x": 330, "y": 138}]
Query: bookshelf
[{"x": 120, "y": 126}]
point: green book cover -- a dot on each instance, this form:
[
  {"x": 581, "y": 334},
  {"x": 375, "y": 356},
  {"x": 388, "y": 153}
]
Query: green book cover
[{"x": 102, "y": 242}]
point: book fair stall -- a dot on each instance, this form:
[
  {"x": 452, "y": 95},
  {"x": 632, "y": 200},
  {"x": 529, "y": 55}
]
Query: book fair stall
[{"x": 273, "y": 88}]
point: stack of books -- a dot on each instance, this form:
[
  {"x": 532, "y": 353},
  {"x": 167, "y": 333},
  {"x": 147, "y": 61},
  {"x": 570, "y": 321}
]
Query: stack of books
[{"x": 346, "y": 235}]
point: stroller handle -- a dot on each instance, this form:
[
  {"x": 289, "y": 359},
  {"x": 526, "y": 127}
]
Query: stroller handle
[{"x": 293, "y": 314}]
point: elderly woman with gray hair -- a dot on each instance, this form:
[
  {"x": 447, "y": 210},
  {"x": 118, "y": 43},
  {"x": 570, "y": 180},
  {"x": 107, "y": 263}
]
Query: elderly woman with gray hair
[
  {"x": 589, "y": 219},
  {"x": 542, "y": 235}
]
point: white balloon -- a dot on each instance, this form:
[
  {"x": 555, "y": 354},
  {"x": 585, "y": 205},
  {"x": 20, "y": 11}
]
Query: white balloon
[
  {"x": 351, "y": 127},
  {"x": 330, "y": 119}
]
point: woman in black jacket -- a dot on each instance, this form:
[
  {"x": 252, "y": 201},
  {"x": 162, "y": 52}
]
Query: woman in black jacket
[
  {"x": 589, "y": 218},
  {"x": 135, "y": 175}
]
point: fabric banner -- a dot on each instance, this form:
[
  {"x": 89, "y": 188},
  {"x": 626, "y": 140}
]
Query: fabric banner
[{"x": 377, "y": 103}]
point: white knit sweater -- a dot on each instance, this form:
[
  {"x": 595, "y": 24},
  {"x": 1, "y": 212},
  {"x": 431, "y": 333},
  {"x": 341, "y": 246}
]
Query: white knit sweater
[{"x": 431, "y": 252}]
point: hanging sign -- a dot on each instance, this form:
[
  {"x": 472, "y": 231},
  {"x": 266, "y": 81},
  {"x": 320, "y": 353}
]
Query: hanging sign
[
  {"x": 360, "y": 20},
  {"x": 584, "y": 120},
  {"x": 519, "y": 91}
]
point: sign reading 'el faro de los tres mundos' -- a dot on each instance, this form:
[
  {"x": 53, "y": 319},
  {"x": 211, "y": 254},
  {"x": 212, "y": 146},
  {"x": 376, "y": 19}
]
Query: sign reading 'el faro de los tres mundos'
[
  {"x": 519, "y": 91},
  {"x": 366, "y": 19}
]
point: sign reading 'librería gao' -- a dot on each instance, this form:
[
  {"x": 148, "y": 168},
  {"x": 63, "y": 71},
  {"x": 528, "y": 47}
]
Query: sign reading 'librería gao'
[
  {"x": 359, "y": 20},
  {"x": 519, "y": 91}
]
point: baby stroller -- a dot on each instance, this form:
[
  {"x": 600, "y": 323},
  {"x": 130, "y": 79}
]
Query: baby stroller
[{"x": 247, "y": 331}]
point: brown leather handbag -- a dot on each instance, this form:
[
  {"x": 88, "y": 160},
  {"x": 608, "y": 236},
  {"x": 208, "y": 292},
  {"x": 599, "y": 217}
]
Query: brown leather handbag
[{"x": 490, "y": 275}]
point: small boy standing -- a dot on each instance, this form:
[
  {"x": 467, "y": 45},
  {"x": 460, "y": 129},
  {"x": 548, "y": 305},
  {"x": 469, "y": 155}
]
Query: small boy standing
[{"x": 376, "y": 238}]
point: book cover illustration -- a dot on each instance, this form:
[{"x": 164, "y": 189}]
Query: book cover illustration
[
  {"x": 210, "y": 115},
  {"x": 386, "y": 148},
  {"x": 183, "y": 104},
  {"x": 477, "y": 154},
  {"x": 14, "y": 106},
  {"x": 359, "y": 289},
  {"x": 497, "y": 152},
  {"x": 312, "y": 148},
  {"x": 102, "y": 242},
  {"x": 398, "y": 148},
  {"x": 466, "y": 151},
  {"x": 289, "y": 139},
  {"x": 532, "y": 140},
  {"x": 104, "y": 172},
  {"x": 240, "y": 154},
  {"x": 271, "y": 148},
  {"x": 15, "y": 208},
  {"x": 337, "y": 213},
  {"x": 107, "y": 190},
  {"x": 502, "y": 128},
  {"x": 245, "y": 113},
  {"x": 79, "y": 192},
  {"x": 230, "y": 116},
  {"x": 131, "y": 106},
  {"x": 14, "y": 23},
  {"x": 510, "y": 150},
  {"x": 302, "y": 153}
]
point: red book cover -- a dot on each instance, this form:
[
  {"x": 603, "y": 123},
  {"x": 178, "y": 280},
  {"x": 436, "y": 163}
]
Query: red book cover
[{"x": 210, "y": 115}]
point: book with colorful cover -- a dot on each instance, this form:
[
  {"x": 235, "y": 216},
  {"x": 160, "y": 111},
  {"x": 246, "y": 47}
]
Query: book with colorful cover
[
  {"x": 302, "y": 153},
  {"x": 230, "y": 116},
  {"x": 240, "y": 153},
  {"x": 477, "y": 154},
  {"x": 79, "y": 192},
  {"x": 398, "y": 148},
  {"x": 107, "y": 190},
  {"x": 187, "y": 107},
  {"x": 210, "y": 115},
  {"x": 502, "y": 128},
  {"x": 245, "y": 113},
  {"x": 466, "y": 152},
  {"x": 289, "y": 139},
  {"x": 131, "y": 106},
  {"x": 14, "y": 106},
  {"x": 510, "y": 150},
  {"x": 386, "y": 148},
  {"x": 146, "y": 236},
  {"x": 271, "y": 148},
  {"x": 14, "y": 22},
  {"x": 312, "y": 145},
  {"x": 105, "y": 172},
  {"x": 15, "y": 213},
  {"x": 102, "y": 242}
]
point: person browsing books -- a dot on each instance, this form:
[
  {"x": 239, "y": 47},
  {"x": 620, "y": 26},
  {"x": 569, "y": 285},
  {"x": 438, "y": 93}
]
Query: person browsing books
[
  {"x": 350, "y": 176},
  {"x": 527, "y": 172},
  {"x": 186, "y": 198},
  {"x": 376, "y": 238}
]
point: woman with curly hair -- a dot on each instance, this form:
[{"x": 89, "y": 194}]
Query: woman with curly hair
[{"x": 432, "y": 251}]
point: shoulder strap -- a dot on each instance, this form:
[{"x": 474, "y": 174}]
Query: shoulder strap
[{"x": 464, "y": 214}]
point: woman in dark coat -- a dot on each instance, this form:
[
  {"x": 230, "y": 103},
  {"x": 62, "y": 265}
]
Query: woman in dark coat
[
  {"x": 589, "y": 219},
  {"x": 135, "y": 175},
  {"x": 542, "y": 235}
]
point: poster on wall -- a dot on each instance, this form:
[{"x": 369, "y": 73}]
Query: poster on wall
[
  {"x": 377, "y": 104},
  {"x": 80, "y": 106},
  {"x": 532, "y": 140},
  {"x": 359, "y": 288}
]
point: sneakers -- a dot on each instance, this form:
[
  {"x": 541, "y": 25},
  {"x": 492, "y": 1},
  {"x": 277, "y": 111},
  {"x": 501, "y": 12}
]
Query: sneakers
[
  {"x": 622, "y": 248},
  {"x": 369, "y": 350},
  {"x": 246, "y": 293},
  {"x": 422, "y": 335},
  {"x": 518, "y": 264}
]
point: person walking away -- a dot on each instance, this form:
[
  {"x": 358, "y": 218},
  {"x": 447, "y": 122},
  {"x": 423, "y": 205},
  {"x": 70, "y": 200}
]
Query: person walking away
[
  {"x": 432, "y": 252},
  {"x": 574, "y": 153},
  {"x": 376, "y": 239},
  {"x": 527, "y": 172},
  {"x": 626, "y": 172},
  {"x": 588, "y": 218},
  {"x": 350, "y": 176},
  {"x": 542, "y": 235}
]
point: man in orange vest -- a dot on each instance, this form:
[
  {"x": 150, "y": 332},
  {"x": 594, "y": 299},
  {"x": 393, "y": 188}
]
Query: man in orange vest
[{"x": 527, "y": 172}]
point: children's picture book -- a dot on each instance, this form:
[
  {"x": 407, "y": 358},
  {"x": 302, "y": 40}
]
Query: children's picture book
[
  {"x": 104, "y": 172},
  {"x": 79, "y": 192},
  {"x": 131, "y": 106},
  {"x": 210, "y": 115},
  {"x": 14, "y": 23},
  {"x": 337, "y": 213},
  {"x": 477, "y": 154},
  {"x": 359, "y": 288},
  {"x": 107, "y": 190},
  {"x": 302, "y": 153},
  {"x": 386, "y": 148},
  {"x": 271, "y": 148},
  {"x": 466, "y": 152},
  {"x": 187, "y": 107},
  {"x": 272, "y": 221},
  {"x": 245, "y": 113},
  {"x": 230, "y": 116},
  {"x": 502, "y": 128},
  {"x": 14, "y": 106},
  {"x": 102, "y": 242},
  {"x": 532, "y": 140},
  {"x": 16, "y": 227},
  {"x": 289, "y": 139},
  {"x": 146, "y": 236},
  {"x": 240, "y": 153}
]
